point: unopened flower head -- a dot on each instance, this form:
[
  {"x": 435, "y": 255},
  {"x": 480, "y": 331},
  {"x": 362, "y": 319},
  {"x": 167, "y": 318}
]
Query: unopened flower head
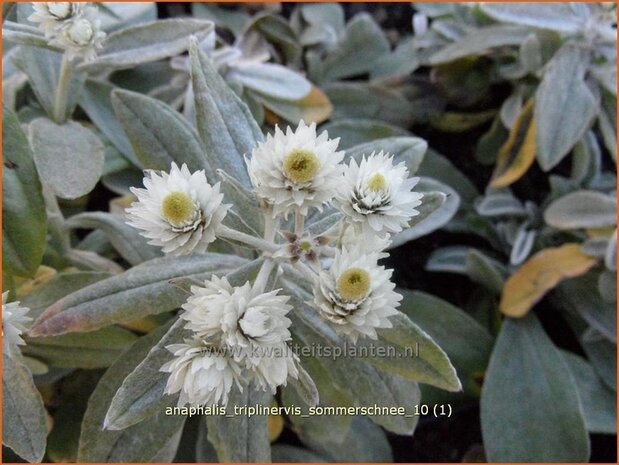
[
  {"x": 14, "y": 320},
  {"x": 356, "y": 294},
  {"x": 376, "y": 195},
  {"x": 203, "y": 373},
  {"x": 237, "y": 316},
  {"x": 81, "y": 36},
  {"x": 296, "y": 170},
  {"x": 52, "y": 16},
  {"x": 178, "y": 211}
]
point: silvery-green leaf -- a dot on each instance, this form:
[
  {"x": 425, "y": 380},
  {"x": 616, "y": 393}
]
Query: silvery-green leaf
[
  {"x": 581, "y": 295},
  {"x": 272, "y": 79},
  {"x": 139, "y": 443},
  {"x": 439, "y": 167},
  {"x": 23, "y": 34},
  {"x": 146, "y": 42},
  {"x": 564, "y": 105},
  {"x": 500, "y": 204},
  {"x": 531, "y": 57},
  {"x": 98, "y": 349},
  {"x": 24, "y": 428},
  {"x": 306, "y": 388},
  {"x": 125, "y": 239},
  {"x": 319, "y": 224},
  {"x": 159, "y": 134},
  {"x": 480, "y": 40},
  {"x": 141, "y": 393},
  {"x": 115, "y": 15},
  {"x": 402, "y": 61},
  {"x": 435, "y": 211},
  {"x": 24, "y": 222},
  {"x": 365, "y": 442},
  {"x": 326, "y": 22},
  {"x": 601, "y": 353},
  {"x": 463, "y": 339},
  {"x": 610, "y": 258},
  {"x": 523, "y": 244},
  {"x": 554, "y": 16},
  {"x": 143, "y": 290},
  {"x": 241, "y": 438},
  {"x": 95, "y": 100},
  {"x": 586, "y": 159},
  {"x": 69, "y": 157},
  {"x": 607, "y": 286},
  {"x": 450, "y": 259},
  {"x": 224, "y": 122},
  {"x": 485, "y": 271},
  {"x": 599, "y": 403},
  {"x": 410, "y": 150},
  {"x": 359, "y": 131},
  {"x": 285, "y": 453},
  {"x": 528, "y": 384},
  {"x": 608, "y": 124},
  {"x": 511, "y": 109},
  {"x": 582, "y": 209},
  {"x": 43, "y": 70},
  {"x": 235, "y": 20}
]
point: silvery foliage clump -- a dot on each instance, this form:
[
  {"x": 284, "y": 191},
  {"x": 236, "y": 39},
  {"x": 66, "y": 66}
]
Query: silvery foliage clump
[{"x": 221, "y": 229}]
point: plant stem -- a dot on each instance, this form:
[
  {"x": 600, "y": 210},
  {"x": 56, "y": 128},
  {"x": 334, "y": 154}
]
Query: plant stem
[
  {"x": 60, "y": 99},
  {"x": 263, "y": 275},
  {"x": 255, "y": 242},
  {"x": 299, "y": 223}
]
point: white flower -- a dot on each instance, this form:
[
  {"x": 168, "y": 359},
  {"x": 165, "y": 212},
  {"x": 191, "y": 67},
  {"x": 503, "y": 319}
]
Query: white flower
[
  {"x": 297, "y": 169},
  {"x": 376, "y": 196},
  {"x": 13, "y": 324},
  {"x": 356, "y": 294},
  {"x": 180, "y": 211},
  {"x": 253, "y": 326},
  {"x": 51, "y": 16},
  {"x": 81, "y": 36},
  {"x": 202, "y": 372}
]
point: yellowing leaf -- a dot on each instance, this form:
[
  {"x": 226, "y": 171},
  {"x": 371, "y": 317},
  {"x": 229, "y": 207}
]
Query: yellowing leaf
[
  {"x": 518, "y": 152},
  {"x": 26, "y": 286},
  {"x": 600, "y": 232},
  {"x": 541, "y": 273},
  {"x": 275, "y": 424},
  {"x": 314, "y": 107}
]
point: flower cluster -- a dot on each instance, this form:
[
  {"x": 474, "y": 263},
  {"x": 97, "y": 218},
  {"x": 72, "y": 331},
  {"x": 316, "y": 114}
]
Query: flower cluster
[
  {"x": 292, "y": 172},
  {"x": 240, "y": 335},
  {"x": 71, "y": 26},
  {"x": 14, "y": 320}
]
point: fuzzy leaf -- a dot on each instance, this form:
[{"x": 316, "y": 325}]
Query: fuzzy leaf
[
  {"x": 564, "y": 105},
  {"x": 24, "y": 222},
  {"x": 24, "y": 428},
  {"x": 273, "y": 80},
  {"x": 410, "y": 150},
  {"x": 541, "y": 273},
  {"x": 582, "y": 209},
  {"x": 139, "y": 443},
  {"x": 69, "y": 157},
  {"x": 146, "y": 42},
  {"x": 528, "y": 383},
  {"x": 143, "y": 290},
  {"x": 560, "y": 17},
  {"x": 315, "y": 107}
]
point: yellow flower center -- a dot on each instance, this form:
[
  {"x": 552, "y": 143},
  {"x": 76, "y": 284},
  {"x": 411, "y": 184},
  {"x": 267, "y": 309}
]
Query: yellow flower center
[
  {"x": 377, "y": 182},
  {"x": 177, "y": 208},
  {"x": 301, "y": 165},
  {"x": 354, "y": 284}
]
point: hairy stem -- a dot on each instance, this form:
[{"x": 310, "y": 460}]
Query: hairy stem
[
  {"x": 263, "y": 275},
  {"x": 255, "y": 242},
  {"x": 60, "y": 99}
]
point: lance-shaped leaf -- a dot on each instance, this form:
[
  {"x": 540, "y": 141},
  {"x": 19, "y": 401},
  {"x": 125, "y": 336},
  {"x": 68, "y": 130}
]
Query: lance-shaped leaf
[
  {"x": 23, "y": 34},
  {"x": 139, "y": 443},
  {"x": 582, "y": 209},
  {"x": 69, "y": 157},
  {"x": 528, "y": 389},
  {"x": 142, "y": 391},
  {"x": 355, "y": 131},
  {"x": 564, "y": 105},
  {"x": 518, "y": 153},
  {"x": 315, "y": 107},
  {"x": 272, "y": 79},
  {"x": 24, "y": 428},
  {"x": 125, "y": 239},
  {"x": 480, "y": 40},
  {"x": 143, "y": 290},
  {"x": 561, "y": 17},
  {"x": 24, "y": 222},
  {"x": 159, "y": 134},
  {"x": 146, "y": 42},
  {"x": 98, "y": 349},
  {"x": 241, "y": 438},
  {"x": 541, "y": 273}
]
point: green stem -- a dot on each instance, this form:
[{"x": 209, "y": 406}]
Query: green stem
[{"x": 60, "y": 99}]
